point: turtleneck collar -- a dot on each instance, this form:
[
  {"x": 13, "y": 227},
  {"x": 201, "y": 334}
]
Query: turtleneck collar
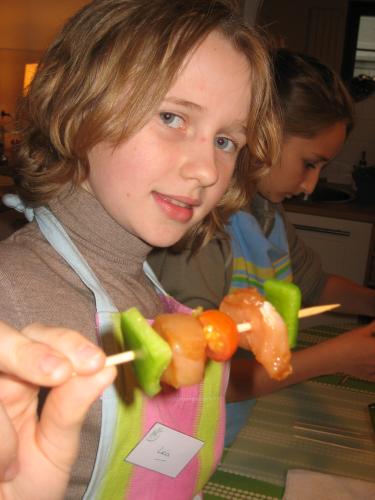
[{"x": 93, "y": 229}]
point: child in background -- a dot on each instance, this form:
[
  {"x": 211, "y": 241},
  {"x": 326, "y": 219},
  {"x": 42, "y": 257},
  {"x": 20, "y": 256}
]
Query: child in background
[
  {"x": 138, "y": 123},
  {"x": 316, "y": 114}
]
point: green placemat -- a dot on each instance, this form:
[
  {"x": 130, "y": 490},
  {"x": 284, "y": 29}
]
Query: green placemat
[
  {"x": 233, "y": 487},
  {"x": 321, "y": 425}
]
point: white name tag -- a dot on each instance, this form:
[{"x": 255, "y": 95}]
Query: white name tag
[{"x": 164, "y": 450}]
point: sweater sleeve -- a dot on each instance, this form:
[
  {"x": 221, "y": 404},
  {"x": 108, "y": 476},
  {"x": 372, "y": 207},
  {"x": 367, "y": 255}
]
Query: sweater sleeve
[
  {"x": 195, "y": 280},
  {"x": 306, "y": 265}
]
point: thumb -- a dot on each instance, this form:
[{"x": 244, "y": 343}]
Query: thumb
[{"x": 64, "y": 412}]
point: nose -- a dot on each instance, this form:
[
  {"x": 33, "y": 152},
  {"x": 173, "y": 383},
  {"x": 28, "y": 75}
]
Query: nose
[
  {"x": 199, "y": 163},
  {"x": 310, "y": 181}
]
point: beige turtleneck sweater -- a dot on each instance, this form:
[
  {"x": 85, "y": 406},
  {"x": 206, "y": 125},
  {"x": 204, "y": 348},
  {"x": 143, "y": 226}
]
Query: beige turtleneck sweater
[{"x": 36, "y": 285}]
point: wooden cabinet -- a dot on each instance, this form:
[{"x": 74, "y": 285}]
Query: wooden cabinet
[{"x": 346, "y": 247}]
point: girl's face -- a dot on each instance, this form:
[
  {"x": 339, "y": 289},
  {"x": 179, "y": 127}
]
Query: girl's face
[
  {"x": 173, "y": 172},
  {"x": 301, "y": 163}
]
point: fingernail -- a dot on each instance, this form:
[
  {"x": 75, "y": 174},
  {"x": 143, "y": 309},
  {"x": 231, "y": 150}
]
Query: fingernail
[
  {"x": 50, "y": 363},
  {"x": 11, "y": 472},
  {"x": 88, "y": 353}
]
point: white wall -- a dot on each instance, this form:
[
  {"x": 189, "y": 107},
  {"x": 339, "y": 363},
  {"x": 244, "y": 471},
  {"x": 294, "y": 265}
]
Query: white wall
[
  {"x": 362, "y": 138},
  {"x": 32, "y": 24},
  {"x": 26, "y": 29}
]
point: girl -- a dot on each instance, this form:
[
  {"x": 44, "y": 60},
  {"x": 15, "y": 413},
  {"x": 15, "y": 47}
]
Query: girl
[
  {"x": 316, "y": 113},
  {"x": 138, "y": 123}
]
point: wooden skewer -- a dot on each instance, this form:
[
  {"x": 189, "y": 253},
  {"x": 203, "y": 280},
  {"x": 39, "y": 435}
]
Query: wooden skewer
[
  {"x": 128, "y": 356},
  {"x": 312, "y": 311},
  {"x": 303, "y": 313},
  {"x": 122, "y": 357}
]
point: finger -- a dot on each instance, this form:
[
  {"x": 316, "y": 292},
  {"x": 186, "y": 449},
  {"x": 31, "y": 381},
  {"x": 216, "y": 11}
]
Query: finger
[
  {"x": 8, "y": 448},
  {"x": 64, "y": 412},
  {"x": 86, "y": 357},
  {"x": 33, "y": 362},
  {"x": 370, "y": 327}
]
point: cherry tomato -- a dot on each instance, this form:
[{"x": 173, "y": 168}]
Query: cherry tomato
[{"x": 221, "y": 334}]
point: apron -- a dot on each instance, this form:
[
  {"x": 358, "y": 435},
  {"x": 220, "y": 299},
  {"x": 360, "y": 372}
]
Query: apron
[
  {"x": 197, "y": 411},
  {"x": 256, "y": 258}
]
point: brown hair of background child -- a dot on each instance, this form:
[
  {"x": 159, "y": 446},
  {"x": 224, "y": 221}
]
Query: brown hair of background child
[
  {"x": 101, "y": 81},
  {"x": 312, "y": 96}
]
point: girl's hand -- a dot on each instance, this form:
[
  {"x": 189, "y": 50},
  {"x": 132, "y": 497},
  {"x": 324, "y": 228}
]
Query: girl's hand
[
  {"x": 36, "y": 455},
  {"x": 354, "y": 352}
]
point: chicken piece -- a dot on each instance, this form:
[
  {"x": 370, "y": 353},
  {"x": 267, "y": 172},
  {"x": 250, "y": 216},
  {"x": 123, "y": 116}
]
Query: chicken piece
[
  {"x": 267, "y": 336},
  {"x": 184, "y": 334}
]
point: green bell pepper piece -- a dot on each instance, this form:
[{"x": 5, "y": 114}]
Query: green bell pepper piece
[
  {"x": 286, "y": 299},
  {"x": 153, "y": 352}
]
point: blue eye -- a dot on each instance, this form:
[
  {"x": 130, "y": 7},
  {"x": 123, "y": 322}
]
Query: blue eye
[
  {"x": 310, "y": 165},
  {"x": 226, "y": 144},
  {"x": 172, "y": 120}
]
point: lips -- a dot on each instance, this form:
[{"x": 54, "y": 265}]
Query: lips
[
  {"x": 176, "y": 208},
  {"x": 177, "y": 202}
]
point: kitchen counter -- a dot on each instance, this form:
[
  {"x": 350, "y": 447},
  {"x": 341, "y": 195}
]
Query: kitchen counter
[
  {"x": 352, "y": 210},
  {"x": 337, "y": 230}
]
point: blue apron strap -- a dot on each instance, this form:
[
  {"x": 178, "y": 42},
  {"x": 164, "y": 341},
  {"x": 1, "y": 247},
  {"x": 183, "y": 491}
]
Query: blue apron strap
[
  {"x": 152, "y": 277},
  {"x": 56, "y": 235}
]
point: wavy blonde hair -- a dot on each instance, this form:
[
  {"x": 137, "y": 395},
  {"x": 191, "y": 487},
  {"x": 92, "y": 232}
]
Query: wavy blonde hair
[{"x": 77, "y": 100}]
